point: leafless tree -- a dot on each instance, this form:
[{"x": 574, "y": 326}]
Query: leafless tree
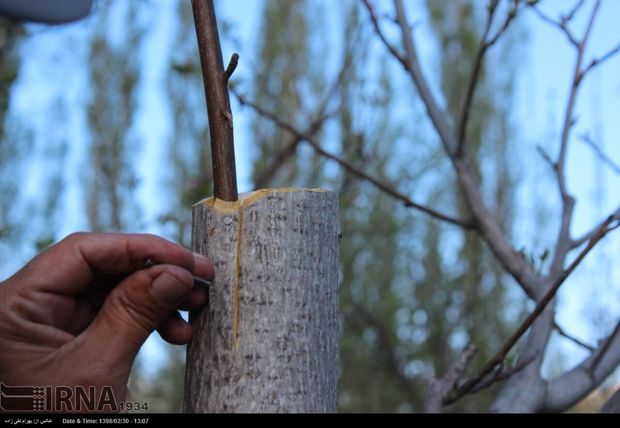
[{"x": 525, "y": 388}]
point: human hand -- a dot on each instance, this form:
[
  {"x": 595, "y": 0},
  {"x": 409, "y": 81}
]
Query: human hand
[{"x": 77, "y": 314}]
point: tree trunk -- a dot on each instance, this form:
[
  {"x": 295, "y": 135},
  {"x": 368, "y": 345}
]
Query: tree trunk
[{"x": 268, "y": 339}]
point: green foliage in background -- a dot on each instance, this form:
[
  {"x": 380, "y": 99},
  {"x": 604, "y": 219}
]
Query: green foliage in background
[{"x": 10, "y": 34}]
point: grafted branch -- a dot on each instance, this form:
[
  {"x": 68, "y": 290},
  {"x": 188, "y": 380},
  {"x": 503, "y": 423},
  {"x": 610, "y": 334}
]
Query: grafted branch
[{"x": 218, "y": 101}]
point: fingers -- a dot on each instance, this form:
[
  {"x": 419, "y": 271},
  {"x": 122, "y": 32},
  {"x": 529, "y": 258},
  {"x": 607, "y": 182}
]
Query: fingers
[
  {"x": 175, "y": 330},
  {"x": 142, "y": 302},
  {"x": 73, "y": 263},
  {"x": 196, "y": 300}
]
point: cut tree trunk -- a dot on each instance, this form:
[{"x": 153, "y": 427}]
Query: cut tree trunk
[{"x": 268, "y": 339}]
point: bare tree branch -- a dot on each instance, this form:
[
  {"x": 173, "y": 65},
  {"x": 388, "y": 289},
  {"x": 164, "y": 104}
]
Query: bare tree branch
[
  {"x": 390, "y": 47},
  {"x": 487, "y": 226},
  {"x": 576, "y": 243},
  {"x": 289, "y": 150},
  {"x": 499, "y": 358},
  {"x": 491, "y": 379},
  {"x": 541, "y": 289},
  {"x": 563, "y": 242},
  {"x": 439, "y": 389},
  {"x": 599, "y": 153},
  {"x": 568, "y": 389},
  {"x": 232, "y": 66},
  {"x": 524, "y": 391},
  {"x": 562, "y": 24},
  {"x": 512, "y": 14},
  {"x": 577, "y": 77},
  {"x": 604, "y": 348},
  {"x": 510, "y": 259},
  {"x": 503, "y": 374},
  {"x": 412, "y": 64},
  {"x": 474, "y": 79},
  {"x": 571, "y": 14},
  {"x": 606, "y": 57},
  {"x": 485, "y": 44},
  {"x": 466, "y": 224},
  {"x": 547, "y": 158},
  {"x": 572, "y": 338}
]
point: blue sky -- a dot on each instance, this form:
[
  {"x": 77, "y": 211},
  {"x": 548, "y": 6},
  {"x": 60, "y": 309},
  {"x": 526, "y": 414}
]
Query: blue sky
[{"x": 542, "y": 81}]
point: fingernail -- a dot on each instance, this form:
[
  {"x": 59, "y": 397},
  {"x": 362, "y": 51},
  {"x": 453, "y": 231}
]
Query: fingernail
[{"x": 168, "y": 290}]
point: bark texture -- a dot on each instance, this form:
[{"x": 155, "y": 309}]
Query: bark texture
[{"x": 268, "y": 339}]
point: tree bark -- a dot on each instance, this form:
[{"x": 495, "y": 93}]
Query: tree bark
[
  {"x": 268, "y": 339},
  {"x": 524, "y": 392}
]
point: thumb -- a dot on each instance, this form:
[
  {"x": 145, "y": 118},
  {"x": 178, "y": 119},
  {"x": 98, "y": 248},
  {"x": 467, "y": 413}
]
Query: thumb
[{"x": 134, "y": 309}]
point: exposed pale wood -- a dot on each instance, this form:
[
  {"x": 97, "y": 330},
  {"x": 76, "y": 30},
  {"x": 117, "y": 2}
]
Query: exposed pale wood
[{"x": 268, "y": 340}]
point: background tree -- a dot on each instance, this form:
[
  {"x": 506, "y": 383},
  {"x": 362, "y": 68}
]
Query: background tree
[
  {"x": 114, "y": 73},
  {"x": 9, "y": 153},
  {"x": 526, "y": 388}
]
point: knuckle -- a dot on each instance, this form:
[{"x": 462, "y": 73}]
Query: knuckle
[{"x": 14, "y": 313}]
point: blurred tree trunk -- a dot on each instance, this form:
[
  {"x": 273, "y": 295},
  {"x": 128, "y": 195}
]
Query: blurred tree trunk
[
  {"x": 10, "y": 33},
  {"x": 284, "y": 68},
  {"x": 114, "y": 74}
]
